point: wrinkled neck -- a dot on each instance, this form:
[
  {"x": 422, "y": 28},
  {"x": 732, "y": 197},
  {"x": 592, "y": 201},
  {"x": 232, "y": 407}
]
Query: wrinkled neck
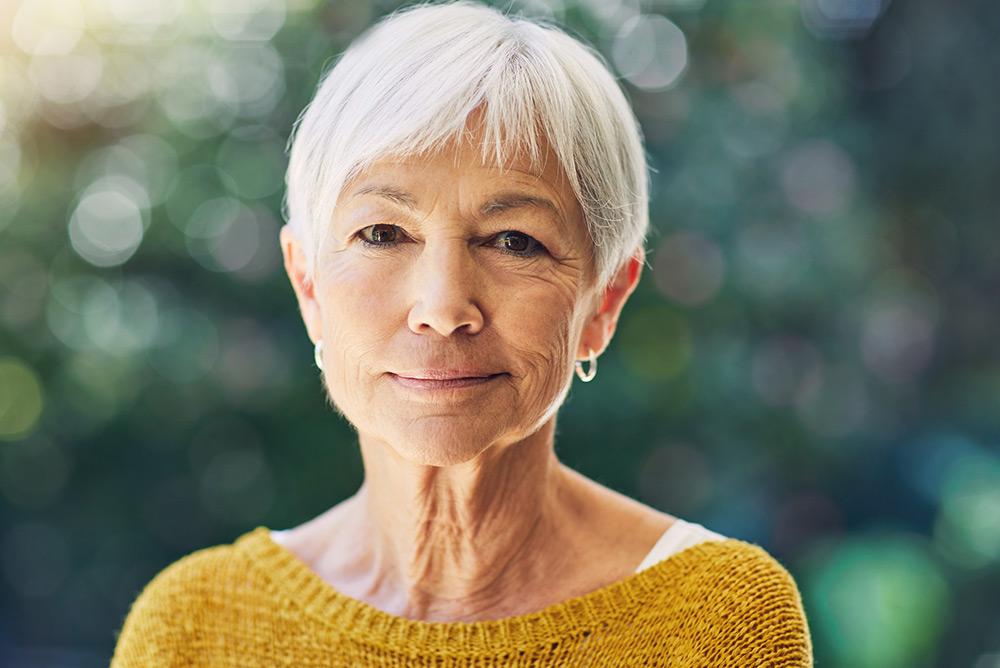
[{"x": 448, "y": 537}]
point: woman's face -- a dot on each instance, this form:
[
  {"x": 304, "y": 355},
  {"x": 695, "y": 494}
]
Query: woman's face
[{"x": 452, "y": 298}]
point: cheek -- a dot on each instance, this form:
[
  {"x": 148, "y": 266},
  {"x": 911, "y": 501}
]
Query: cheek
[
  {"x": 542, "y": 327},
  {"x": 360, "y": 317},
  {"x": 359, "y": 296}
]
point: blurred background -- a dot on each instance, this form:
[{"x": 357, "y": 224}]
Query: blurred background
[{"x": 810, "y": 363}]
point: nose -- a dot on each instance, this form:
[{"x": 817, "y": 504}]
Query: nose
[{"x": 445, "y": 286}]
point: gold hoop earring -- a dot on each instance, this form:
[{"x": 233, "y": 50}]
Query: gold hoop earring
[
  {"x": 318, "y": 354},
  {"x": 588, "y": 375}
]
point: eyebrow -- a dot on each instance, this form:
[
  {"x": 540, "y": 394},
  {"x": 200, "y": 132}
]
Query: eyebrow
[
  {"x": 494, "y": 207},
  {"x": 394, "y": 195},
  {"x": 504, "y": 203}
]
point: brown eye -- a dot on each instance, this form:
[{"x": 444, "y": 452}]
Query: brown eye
[
  {"x": 513, "y": 241},
  {"x": 380, "y": 234},
  {"x": 518, "y": 243}
]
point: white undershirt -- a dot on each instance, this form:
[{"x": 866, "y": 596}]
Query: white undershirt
[{"x": 680, "y": 536}]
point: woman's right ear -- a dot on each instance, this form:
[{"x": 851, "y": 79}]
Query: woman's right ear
[{"x": 300, "y": 275}]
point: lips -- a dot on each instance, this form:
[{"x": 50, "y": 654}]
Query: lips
[{"x": 443, "y": 379}]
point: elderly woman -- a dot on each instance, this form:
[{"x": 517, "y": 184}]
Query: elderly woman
[{"x": 467, "y": 206}]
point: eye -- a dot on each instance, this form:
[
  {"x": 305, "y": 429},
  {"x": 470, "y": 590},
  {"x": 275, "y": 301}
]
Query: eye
[
  {"x": 517, "y": 243},
  {"x": 381, "y": 234}
]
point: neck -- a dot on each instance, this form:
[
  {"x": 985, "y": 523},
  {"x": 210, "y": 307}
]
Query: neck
[
  {"x": 508, "y": 533},
  {"x": 446, "y": 539}
]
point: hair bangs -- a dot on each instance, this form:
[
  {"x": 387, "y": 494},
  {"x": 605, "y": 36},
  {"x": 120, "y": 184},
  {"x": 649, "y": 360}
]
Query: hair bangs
[{"x": 432, "y": 75}]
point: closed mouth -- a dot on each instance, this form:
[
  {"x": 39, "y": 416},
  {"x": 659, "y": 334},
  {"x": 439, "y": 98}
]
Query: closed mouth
[{"x": 443, "y": 379}]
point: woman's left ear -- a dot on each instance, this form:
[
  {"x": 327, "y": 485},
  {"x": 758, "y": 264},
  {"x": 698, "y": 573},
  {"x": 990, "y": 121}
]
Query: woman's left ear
[{"x": 598, "y": 332}]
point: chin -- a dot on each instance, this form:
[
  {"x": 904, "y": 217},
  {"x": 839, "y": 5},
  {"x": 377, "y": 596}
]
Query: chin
[
  {"x": 442, "y": 442},
  {"x": 436, "y": 456}
]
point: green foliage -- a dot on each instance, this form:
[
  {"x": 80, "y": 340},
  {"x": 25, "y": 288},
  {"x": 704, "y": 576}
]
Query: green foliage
[{"x": 809, "y": 362}]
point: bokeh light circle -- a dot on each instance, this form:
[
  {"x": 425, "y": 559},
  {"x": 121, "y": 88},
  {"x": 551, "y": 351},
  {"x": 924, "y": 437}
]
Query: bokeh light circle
[
  {"x": 818, "y": 177},
  {"x": 650, "y": 51},
  {"x": 21, "y": 399},
  {"x": 223, "y": 235},
  {"x": 68, "y": 79},
  {"x": 689, "y": 268},
  {"x": 246, "y": 20},
  {"x": 147, "y": 13},
  {"x": 966, "y": 527},
  {"x": 48, "y": 26},
  {"x": 108, "y": 224},
  {"x": 881, "y": 600}
]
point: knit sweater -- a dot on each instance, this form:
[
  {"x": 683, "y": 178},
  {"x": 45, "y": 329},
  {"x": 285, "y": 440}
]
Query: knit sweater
[{"x": 254, "y": 603}]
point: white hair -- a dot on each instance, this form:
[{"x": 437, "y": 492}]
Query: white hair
[{"x": 410, "y": 84}]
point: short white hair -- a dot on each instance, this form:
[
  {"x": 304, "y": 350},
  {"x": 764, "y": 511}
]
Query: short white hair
[{"x": 410, "y": 84}]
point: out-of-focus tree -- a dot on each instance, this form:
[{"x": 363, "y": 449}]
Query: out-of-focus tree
[{"x": 809, "y": 362}]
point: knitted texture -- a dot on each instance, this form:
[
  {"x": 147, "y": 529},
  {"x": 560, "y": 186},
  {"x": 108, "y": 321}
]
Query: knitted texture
[{"x": 254, "y": 603}]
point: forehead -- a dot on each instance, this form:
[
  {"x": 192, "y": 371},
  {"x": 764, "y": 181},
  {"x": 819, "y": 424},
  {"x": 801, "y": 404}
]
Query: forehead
[
  {"x": 470, "y": 160},
  {"x": 477, "y": 186}
]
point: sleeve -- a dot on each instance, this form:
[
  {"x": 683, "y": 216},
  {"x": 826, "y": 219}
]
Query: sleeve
[{"x": 165, "y": 624}]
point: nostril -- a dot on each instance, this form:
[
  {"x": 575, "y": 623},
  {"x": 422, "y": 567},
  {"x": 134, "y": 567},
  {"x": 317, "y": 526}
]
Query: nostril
[{"x": 446, "y": 319}]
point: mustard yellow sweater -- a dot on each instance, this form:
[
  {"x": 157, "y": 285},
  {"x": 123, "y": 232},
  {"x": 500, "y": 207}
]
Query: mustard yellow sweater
[{"x": 254, "y": 603}]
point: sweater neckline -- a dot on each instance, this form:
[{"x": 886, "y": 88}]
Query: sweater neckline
[{"x": 298, "y": 585}]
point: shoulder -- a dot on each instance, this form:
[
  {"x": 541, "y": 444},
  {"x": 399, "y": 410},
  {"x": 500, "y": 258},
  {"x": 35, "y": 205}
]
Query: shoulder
[
  {"x": 165, "y": 621},
  {"x": 743, "y": 568},
  {"x": 739, "y": 604}
]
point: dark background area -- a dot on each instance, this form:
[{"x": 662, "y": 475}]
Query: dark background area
[{"x": 810, "y": 362}]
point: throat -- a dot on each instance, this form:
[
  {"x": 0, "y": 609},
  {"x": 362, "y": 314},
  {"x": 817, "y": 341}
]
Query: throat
[
  {"x": 447, "y": 578},
  {"x": 437, "y": 544},
  {"x": 509, "y": 534},
  {"x": 448, "y": 557}
]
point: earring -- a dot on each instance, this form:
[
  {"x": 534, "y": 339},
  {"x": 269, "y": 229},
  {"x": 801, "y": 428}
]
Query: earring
[
  {"x": 588, "y": 375},
  {"x": 318, "y": 354}
]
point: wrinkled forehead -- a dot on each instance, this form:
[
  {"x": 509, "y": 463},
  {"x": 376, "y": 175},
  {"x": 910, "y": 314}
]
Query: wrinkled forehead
[{"x": 515, "y": 180}]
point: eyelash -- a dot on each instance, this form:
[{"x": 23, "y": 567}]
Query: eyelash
[{"x": 535, "y": 247}]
